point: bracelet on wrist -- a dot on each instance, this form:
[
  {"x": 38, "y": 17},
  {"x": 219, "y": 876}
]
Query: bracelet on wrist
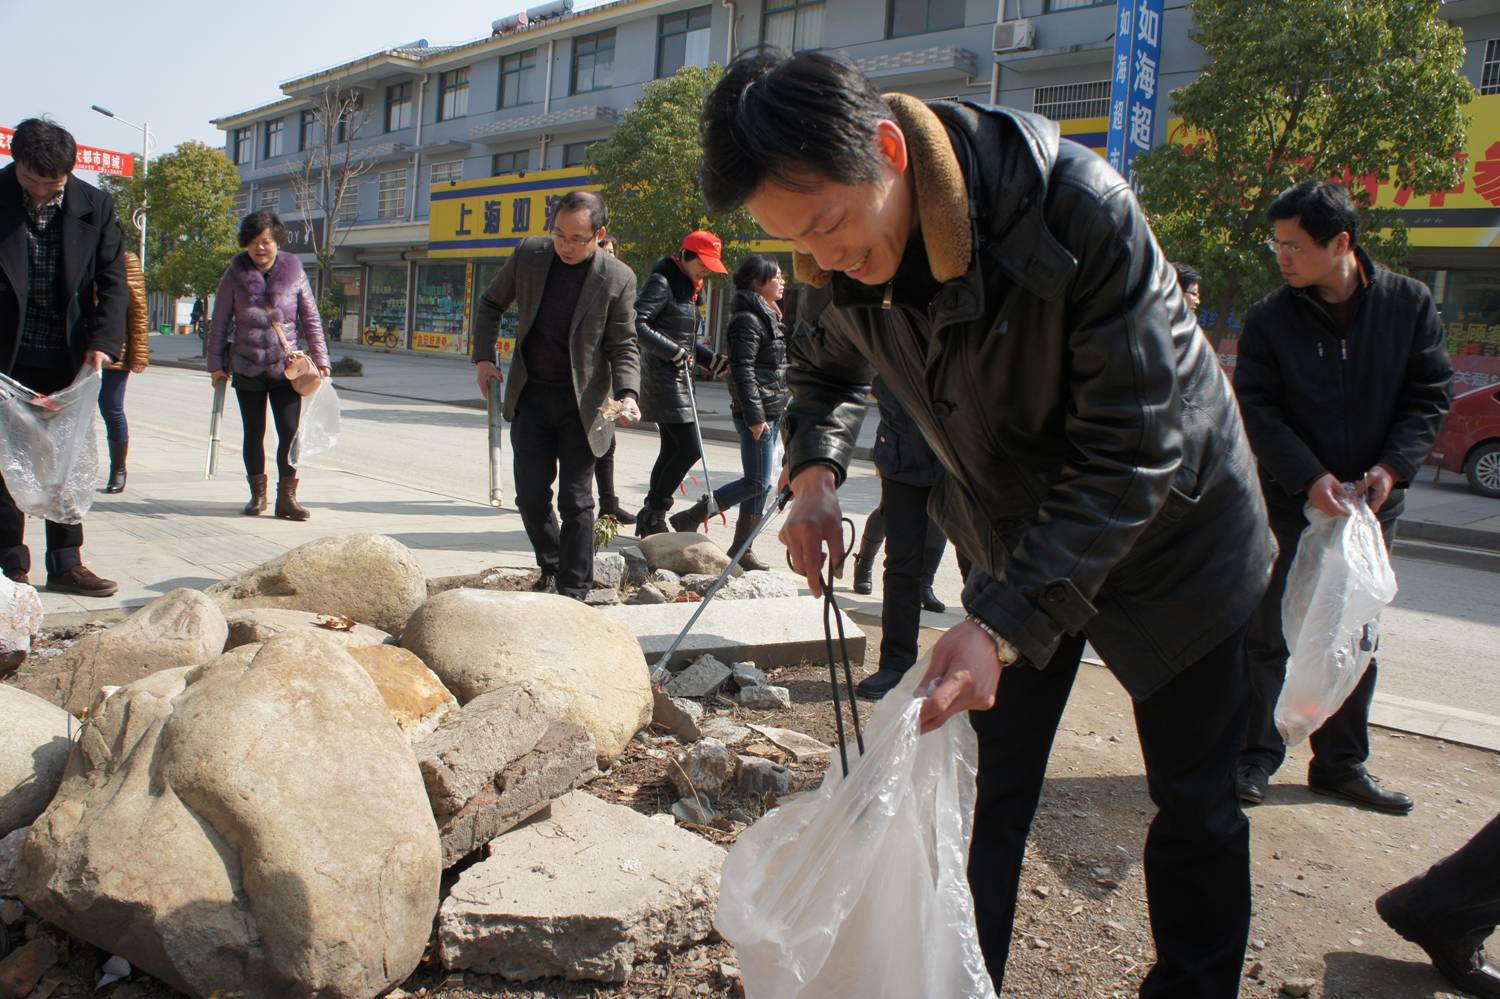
[{"x": 1005, "y": 652}]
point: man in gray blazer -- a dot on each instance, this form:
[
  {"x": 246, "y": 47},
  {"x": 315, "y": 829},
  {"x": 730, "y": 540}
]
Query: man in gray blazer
[{"x": 575, "y": 350}]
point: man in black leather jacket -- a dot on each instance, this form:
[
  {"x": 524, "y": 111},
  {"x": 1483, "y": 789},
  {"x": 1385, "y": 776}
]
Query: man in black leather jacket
[
  {"x": 1007, "y": 288},
  {"x": 1343, "y": 378}
]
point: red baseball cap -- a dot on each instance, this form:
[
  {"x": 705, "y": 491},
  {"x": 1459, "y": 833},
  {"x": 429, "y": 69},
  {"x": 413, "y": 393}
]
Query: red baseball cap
[{"x": 708, "y": 247}]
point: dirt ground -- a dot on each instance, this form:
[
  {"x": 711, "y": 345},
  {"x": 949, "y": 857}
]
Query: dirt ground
[{"x": 1082, "y": 928}]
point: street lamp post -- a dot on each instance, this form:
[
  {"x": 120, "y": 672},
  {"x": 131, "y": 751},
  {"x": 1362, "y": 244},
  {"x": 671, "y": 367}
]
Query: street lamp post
[{"x": 139, "y": 215}]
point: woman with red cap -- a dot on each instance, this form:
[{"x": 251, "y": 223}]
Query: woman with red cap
[{"x": 667, "y": 324}]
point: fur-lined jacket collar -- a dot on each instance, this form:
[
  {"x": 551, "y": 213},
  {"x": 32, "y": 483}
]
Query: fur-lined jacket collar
[{"x": 683, "y": 288}]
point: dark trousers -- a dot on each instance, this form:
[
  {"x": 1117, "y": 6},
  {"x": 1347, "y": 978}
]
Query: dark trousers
[
  {"x": 679, "y": 452},
  {"x": 1459, "y": 896},
  {"x": 549, "y": 444},
  {"x": 286, "y": 410},
  {"x": 112, "y": 405},
  {"x": 1197, "y": 857},
  {"x": 64, "y": 541},
  {"x": 913, "y": 547},
  {"x": 604, "y": 478},
  {"x": 1342, "y": 743}
]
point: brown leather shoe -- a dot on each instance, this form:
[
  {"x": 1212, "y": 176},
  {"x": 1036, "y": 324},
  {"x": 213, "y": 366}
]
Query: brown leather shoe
[
  {"x": 18, "y": 576},
  {"x": 287, "y": 507},
  {"x": 81, "y": 581},
  {"x": 257, "y": 504}
]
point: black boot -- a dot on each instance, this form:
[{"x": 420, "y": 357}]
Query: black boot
[
  {"x": 930, "y": 601},
  {"x": 117, "y": 452},
  {"x": 652, "y": 518},
  {"x": 864, "y": 561},
  {"x": 609, "y": 506},
  {"x": 744, "y": 525},
  {"x": 692, "y": 518}
]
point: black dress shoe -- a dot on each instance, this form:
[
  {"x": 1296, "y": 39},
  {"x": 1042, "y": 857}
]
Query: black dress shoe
[
  {"x": 622, "y": 516},
  {"x": 1464, "y": 967},
  {"x": 1362, "y": 790},
  {"x": 1251, "y": 782},
  {"x": 545, "y": 583},
  {"x": 879, "y": 683},
  {"x": 930, "y": 601}
]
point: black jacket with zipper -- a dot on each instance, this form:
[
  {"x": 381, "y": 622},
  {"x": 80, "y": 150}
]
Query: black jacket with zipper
[
  {"x": 1316, "y": 403},
  {"x": 1094, "y": 466},
  {"x": 757, "y": 359},
  {"x": 666, "y": 321}
]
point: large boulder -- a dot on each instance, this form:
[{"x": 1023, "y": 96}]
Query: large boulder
[
  {"x": 35, "y": 740},
  {"x": 582, "y": 894},
  {"x": 255, "y": 826},
  {"x": 256, "y": 625},
  {"x": 181, "y": 628},
  {"x": 685, "y": 553},
  {"x": 413, "y": 694},
  {"x": 369, "y": 577},
  {"x": 580, "y": 665}
]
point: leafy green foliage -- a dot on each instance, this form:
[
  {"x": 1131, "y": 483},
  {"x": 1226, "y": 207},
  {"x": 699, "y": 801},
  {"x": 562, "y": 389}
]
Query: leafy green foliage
[
  {"x": 1353, "y": 90},
  {"x": 190, "y": 219},
  {"x": 649, "y": 169}
]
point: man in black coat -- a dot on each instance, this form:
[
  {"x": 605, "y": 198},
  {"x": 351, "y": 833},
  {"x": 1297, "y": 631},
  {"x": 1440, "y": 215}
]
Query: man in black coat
[
  {"x": 575, "y": 351},
  {"x": 63, "y": 298},
  {"x": 1006, "y": 286},
  {"x": 1342, "y": 378}
]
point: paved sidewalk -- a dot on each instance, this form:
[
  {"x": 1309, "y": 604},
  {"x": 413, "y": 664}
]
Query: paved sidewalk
[{"x": 1443, "y": 513}]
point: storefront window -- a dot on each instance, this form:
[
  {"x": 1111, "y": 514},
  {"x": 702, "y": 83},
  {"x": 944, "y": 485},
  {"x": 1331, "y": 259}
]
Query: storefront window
[
  {"x": 505, "y": 345},
  {"x": 1469, "y": 303},
  {"x": 438, "y": 319},
  {"x": 385, "y": 306},
  {"x": 348, "y": 296}
]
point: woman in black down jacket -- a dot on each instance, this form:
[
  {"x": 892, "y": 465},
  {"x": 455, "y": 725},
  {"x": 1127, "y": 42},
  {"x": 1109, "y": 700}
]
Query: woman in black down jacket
[
  {"x": 667, "y": 324},
  {"x": 757, "y": 396}
]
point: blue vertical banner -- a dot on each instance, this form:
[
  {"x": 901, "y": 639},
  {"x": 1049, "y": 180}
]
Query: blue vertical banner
[{"x": 1133, "y": 81}]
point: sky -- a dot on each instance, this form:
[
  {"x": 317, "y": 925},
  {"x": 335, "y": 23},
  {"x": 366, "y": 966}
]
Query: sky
[{"x": 176, "y": 64}]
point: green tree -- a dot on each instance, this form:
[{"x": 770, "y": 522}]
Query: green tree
[
  {"x": 191, "y": 192},
  {"x": 649, "y": 169},
  {"x": 190, "y": 218},
  {"x": 1369, "y": 92}
]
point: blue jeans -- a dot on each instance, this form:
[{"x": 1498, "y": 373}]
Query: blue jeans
[{"x": 751, "y": 489}]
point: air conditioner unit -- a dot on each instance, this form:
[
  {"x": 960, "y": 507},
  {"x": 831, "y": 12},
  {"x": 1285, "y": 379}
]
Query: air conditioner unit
[{"x": 1014, "y": 36}]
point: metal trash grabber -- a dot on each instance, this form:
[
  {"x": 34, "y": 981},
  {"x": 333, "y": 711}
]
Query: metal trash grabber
[
  {"x": 708, "y": 486},
  {"x": 215, "y": 419},
  {"x": 497, "y": 437},
  {"x": 659, "y": 672},
  {"x": 831, "y": 610}
]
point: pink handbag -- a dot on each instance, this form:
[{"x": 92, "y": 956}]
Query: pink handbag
[{"x": 300, "y": 370}]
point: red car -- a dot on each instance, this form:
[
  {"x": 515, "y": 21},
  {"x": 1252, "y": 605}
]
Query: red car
[{"x": 1470, "y": 441}]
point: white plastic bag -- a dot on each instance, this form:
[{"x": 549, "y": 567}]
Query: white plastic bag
[
  {"x": 1340, "y": 579},
  {"x": 859, "y": 890},
  {"x": 318, "y": 430},
  {"x": 48, "y": 454},
  {"x": 20, "y": 620}
]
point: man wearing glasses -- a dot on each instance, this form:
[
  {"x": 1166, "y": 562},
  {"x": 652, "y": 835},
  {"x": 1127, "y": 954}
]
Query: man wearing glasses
[
  {"x": 575, "y": 350},
  {"x": 1342, "y": 378}
]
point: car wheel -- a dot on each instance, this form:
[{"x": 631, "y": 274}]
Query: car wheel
[{"x": 1483, "y": 469}]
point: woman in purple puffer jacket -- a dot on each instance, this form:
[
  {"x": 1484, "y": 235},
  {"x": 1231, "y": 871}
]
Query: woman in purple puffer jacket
[{"x": 263, "y": 286}]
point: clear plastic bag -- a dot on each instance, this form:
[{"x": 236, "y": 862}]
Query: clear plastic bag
[
  {"x": 48, "y": 452},
  {"x": 20, "y": 619},
  {"x": 859, "y": 890},
  {"x": 1340, "y": 580},
  {"x": 318, "y": 430}
]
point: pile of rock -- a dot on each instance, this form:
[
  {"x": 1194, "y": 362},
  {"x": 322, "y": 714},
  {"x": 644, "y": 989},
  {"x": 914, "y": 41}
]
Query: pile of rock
[{"x": 274, "y": 774}]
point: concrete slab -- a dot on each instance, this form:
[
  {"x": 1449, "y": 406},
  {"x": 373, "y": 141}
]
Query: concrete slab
[
  {"x": 581, "y": 894},
  {"x": 1438, "y": 721},
  {"x": 780, "y": 631}
]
